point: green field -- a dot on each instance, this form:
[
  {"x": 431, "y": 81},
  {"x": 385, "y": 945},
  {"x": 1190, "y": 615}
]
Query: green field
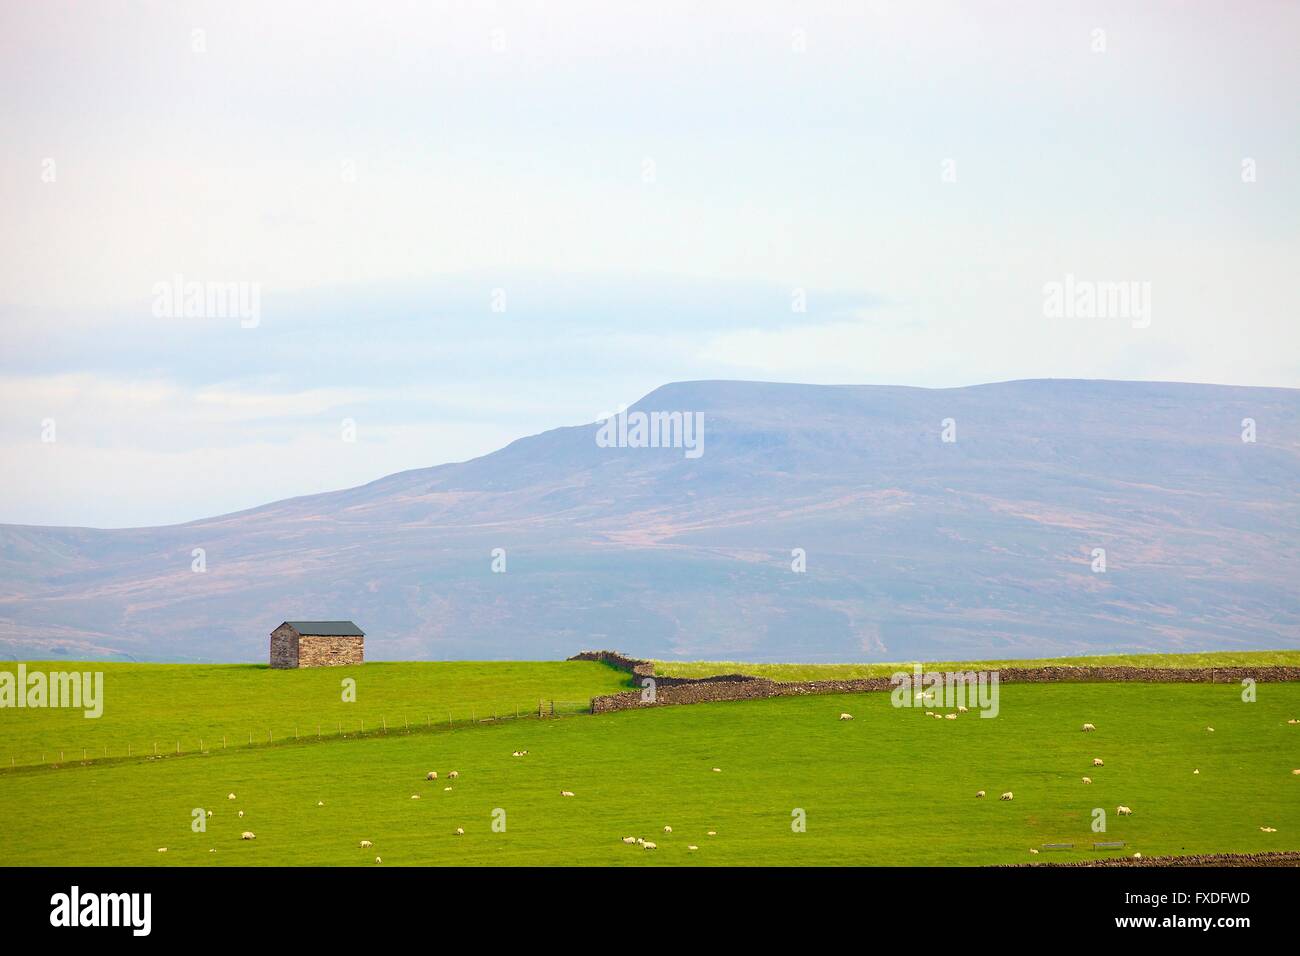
[
  {"x": 170, "y": 704},
  {"x": 891, "y": 787},
  {"x": 793, "y": 672}
]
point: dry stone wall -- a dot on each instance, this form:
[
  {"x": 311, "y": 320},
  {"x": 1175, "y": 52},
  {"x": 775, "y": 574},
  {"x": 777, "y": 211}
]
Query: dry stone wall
[{"x": 683, "y": 690}]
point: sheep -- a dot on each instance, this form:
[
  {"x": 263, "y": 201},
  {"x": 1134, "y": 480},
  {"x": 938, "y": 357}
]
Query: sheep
[
  {"x": 230, "y": 796},
  {"x": 1007, "y": 796},
  {"x": 446, "y": 789},
  {"x": 566, "y": 793},
  {"x": 640, "y": 841},
  {"x": 453, "y": 775},
  {"x": 1137, "y": 856},
  {"x": 692, "y": 847},
  {"x": 1123, "y": 811},
  {"x": 517, "y": 753},
  {"x": 366, "y": 844},
  {"x": 460, "y": 831},
  {"x": 1087, "y": 779},
  {"x": 1210, "y": 729},
  {"x": 415, "y": 796},
  {"x": 668, "y": 829},
  {"x": 1088, "y": 727},
  {"x": 938, "y": 716},
  {"x": 320, "y": 803},
  {"x": 649, "y": 846},
  {"x": 1196, "y": 773},
  {"x": 241, "y": 814},
  {"x": 209, "y": 814},
  {"x": 1294, "y": 773},
  {"x": 1033, "y": 851},
  {"x": 379, "y": 859},
  {"x": 962, "y": 709},
  {"x": 1098, "y": 762},
  {"x": 712, "y": 833},
  {"x": 717, "y": 770},
  {"x": 846, "y": 716},
  {"x": 929, "y": 713},
  {"x": 950, "y": 716},
  {"x": 1293, "y": 721},
  {"x": 1264, "y": 829},
  {"x": 248, "y": 835},
  {"x": 629, "y": 839},
  {"x": 162, "y": 849},
  {"x": 431, "y": 775},
  {"x": 979, "y": 794}
]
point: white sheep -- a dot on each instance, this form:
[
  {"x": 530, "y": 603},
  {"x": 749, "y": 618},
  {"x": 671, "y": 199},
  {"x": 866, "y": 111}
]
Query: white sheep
[
  {"x": 1033, "y": 851},
  {"x": 162, "y": 849},
  {"x": 1210, "y": 729},
  {"x": 979, "y": 793},
  {"x": 1137, "y": 856},
  {"x": 846, "y": 716},
  {"x": 241, "y": 814},
  {"x": 692, "y": 846},
  {"x": 929, "y": 713},
  {"x": 446, "y": 789},
  {"x": 1087, "y": 779},
  {"x": 379, "y": 859},
  {"x": 209, "y": 814},
  {"x": 1196, "y": 773},
  {"x": 938, "y": 716},
  {"x": 1088, "y": 727},
  {"x": 668, "y": 829},
  {"x": 649, "y": 846},
  {"x": 453, "y": 775},
  {"x": 320, "y": 803},
  {"x": 230, "y": 796},
  {"x": 629, "y": 839},
  {"x": 1294, "y": 773},
  {"x": 248, "y": 835},
  {"x": 1123, "y": 811},
  {"x": 717, "y": 770},
  {"x": 950, "y": 716},
  {"x": 566, "y": 793},
  {"x": 1097, "y": 762},
  {"x": 962, "y": 709},
  {"x": 415, "y": 796},
  {"x": 1007, "y": 796},
  {"x": 431, "y": 775},
  {"x": 460, "y": 831},
  {"x": 366, "y": 844},
  {"x": 712, "y": 833},
  {"x": 1264, "y": 829}
]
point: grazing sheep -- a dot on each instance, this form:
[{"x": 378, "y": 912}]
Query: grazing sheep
[
  {"x": 1137, "y": 856},
  {"x": 453, "y": 775},
  {"x": 691, "y": 846},
  {"x": 717, "y": 770},
  {"x": 209, "y": 814},
  {"x": 640, "y": 841},
  {"x": 1264, "y": 829},
  {"x": 929, "y": 713},
  {"x": 248, "y": 835},
  {"x": 460, "y": 831},
  {"x": 446, "y": 789},
  {"x": 950, "y": 716},
  {"x": 629, "y": 839},
  {"x": 979, "y": 793},
  {"x": 379, "y": 859},
  {"x": 566, "y": 793},
  {"x": 320, "y": 803},
  {"x": 163, "y": 849},
  {"x": 1196, "y": 773},
  {"x": 431, "y": 775},
  {"x": 1087, "y": 779},
  {"x": 517, "y": 753},
  {"x": 1293, "y": 721},
  {"x": 1294, "y": 773},
  {"x": 241, "y": 814},
  {"x": 366, "y": 844},
  {"x": 1007, "y": 796},
  {"x": 1088, "y": 727},
  {"x": 962, "y": 709},
  {"x": 1097, "y": 762},
  {"x": 230, "y": 796},
  {"x": 1033, "y": 851},
  {"x": 668, "y": 829},
  {"x": 938, "y": 716},
  {"x": 846, "y": 716},
  {"x": 1210, "y": 729},
  {"x": 648, "y": 846},
  {"x": 415, "y": 796},
  {"x": 712, "y": 833},
  {"x": 1123, "y": 811}
]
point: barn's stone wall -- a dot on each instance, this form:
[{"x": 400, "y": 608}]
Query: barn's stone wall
[
  {"x": 314, "y": 651},
  {"x": 681, "y": 690},
  {"x": 284, "y": 647}
]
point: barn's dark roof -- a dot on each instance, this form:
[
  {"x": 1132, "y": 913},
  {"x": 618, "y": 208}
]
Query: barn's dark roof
[{"x": 327, "y": 628}]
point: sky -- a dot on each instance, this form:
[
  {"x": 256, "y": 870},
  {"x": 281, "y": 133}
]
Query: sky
[{"x": 454, "y": 224}]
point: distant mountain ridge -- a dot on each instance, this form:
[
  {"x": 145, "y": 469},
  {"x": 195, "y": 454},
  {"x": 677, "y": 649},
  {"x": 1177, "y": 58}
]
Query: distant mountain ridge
[{"x": 915, "y": 547}]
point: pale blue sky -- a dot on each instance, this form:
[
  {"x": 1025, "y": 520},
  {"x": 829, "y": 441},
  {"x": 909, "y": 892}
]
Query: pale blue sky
[{"x": 505, "y": 146}]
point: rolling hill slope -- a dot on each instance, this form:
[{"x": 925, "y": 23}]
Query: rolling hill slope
[{"x": 916, "y": 548}]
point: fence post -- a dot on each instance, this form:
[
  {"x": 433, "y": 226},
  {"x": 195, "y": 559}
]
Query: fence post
[
  {"x": 83, "y": 753},
  {"x": 128, "y": 750},
  {"x": 223, "y": 741},
  {"x": 384, "y": 721},
  {"x": 552, "y": 708}
]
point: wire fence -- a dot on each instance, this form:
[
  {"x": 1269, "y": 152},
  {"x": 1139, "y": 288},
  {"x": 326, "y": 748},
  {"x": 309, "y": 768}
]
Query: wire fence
[{"x": 162, "y": 744}]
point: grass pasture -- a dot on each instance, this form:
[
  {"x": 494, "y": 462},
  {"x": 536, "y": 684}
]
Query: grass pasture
[
  {"x": 165, "y": 704},
  {"x": 891, "y": 787}
]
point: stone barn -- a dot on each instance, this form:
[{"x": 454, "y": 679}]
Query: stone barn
[{"x": 317, "y": 644}]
